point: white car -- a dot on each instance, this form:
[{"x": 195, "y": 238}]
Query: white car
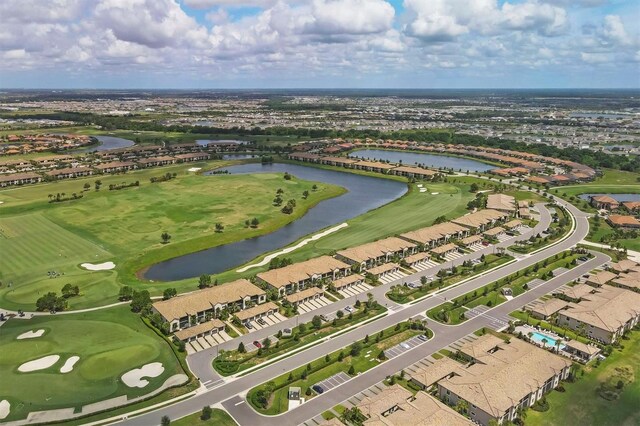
[{"x": 348, "y": 308}]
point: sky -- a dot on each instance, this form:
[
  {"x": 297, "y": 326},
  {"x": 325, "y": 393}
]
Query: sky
[{"x": 200, "y": 44}]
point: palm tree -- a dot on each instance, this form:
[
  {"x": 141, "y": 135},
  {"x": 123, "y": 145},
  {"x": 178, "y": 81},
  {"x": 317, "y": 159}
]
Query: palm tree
[{"x": 544, "y": 342}]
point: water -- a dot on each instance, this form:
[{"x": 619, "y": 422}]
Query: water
[
  {"x": 364, "y": 193},
  {"x": 618, "y": 197},
  {"x": 599, "y": 115},
  {"x": 107, "y": 143},
  {"x": 429, "y": 160},
  {"x": 550, "y": 341}
]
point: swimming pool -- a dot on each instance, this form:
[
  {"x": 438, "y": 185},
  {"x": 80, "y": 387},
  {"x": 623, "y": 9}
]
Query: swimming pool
[{"x": 550, "y": 341}]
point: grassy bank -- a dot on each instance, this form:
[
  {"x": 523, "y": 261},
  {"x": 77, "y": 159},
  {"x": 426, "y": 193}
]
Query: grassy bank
[{"x": 218, "y": 418}]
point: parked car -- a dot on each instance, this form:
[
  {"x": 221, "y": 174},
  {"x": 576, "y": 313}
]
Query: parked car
[
  {"x": 257, "y": 344},
  {"x": 261, "y": 321},
  {"x": 485, "y": 243},
  {"x": 317, "y": 389},
  {"x": 248, "y": 325},
  {"x": 423, "y": 337},
  {"x": 405, "y": 345},
  {"x": 348, "y": 309}
]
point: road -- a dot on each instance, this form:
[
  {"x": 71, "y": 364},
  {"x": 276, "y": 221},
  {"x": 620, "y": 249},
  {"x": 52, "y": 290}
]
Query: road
[{"x": 230, "y": 393}]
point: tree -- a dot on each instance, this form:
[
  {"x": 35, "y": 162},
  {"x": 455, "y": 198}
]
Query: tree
[
  {"x": 315, "y": 187},
  {"x": 356, "y": 348},
  {"x": 87, "y": 186},
  {"x": 266, "y": 343},
  {"x": 340, "y": 314},
  {"x": 165, "y": 421},
  {"x": 352, "y": 371},
  {"x": 140, "y": 300},
  {"x": 50, "y": 302},
  {"x": 219, "y": 227},
  {"x": 204, "y": 281},
  {"x": 206, "y": 413},
  {"x": 474, "y": 187},
  {"x": 165, "y": 237},
  {"x": 316, "y": 322},
  {"x": 305, "y": 194},
  {"x": 241, "y": 348},
  {"x": 70, "y": 290},
  {"x": 125, "y": 293},
  {"x": 254, "y": 222},
  {"x": 169, "y": 293}
]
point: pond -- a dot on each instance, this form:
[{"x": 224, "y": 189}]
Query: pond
[
  {"x": 205, "y": 142},
  {"x": 618, "y": 197},
  {"x": 106, "y": 143},
  {"x": 429, "y": 160},
  {"x": 364, "y": 193}
]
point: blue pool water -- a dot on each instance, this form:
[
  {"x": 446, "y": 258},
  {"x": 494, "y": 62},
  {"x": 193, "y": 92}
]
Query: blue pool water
[{"x": 551, "y": 342}]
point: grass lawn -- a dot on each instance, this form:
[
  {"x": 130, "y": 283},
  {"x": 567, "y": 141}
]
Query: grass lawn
[
  {"x": 124, "y": 227},
  {"x": 322, "y": 368},
  {"x": 218, "y": 418},
  {"x": 605, "y": 234},
  {"x": 581, "y": 404},
  {"x": 109, "y": 343},
  {"x": 611, "y": 182}
]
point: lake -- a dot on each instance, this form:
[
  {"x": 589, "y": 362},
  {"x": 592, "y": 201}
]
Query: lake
[
  {"x": 364, "y": 193},
  {"x": 107, "y": 143},
  {"x": 618, "y": 197},
  {"x": 429, "y": 160}
]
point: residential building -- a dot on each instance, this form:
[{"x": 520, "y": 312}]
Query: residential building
[
  {"x": 603, "y": 315},
  {"x": 481, "y": 220},
  {"x": 604, "y": 202},
  {"x": 600, "y": 278},
  {"x": 306, "y": 295},
  {"x": 206, "y": 328},
  {"x": 550, "y": 307},
  {"x": 181, "y": 311},
  {"x": 19, "y": 179},
  {"x": 256, "y": 312},
  {"x": 297, "y": 276},
  {"x": 624, "y": 222},
  {"x": 502, "y": 378},
  {"x": 382, "y": 251},
  {"x": 435, "y": 235},
  {"x": 347, "y": 282},
  {"x": 502, "y": 202}
]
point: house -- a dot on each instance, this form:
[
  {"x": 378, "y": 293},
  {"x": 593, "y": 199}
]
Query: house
[
  {"x": 19, "y": 179},
  {"x": 600, "y": 278},
  {"x": 471, "y": 240},
  {"x": 502, "y": 378},
  {"x": 306, "y": 295},
  {"x": 396, "y": 406},
  {"x": 297, "y": 276},
  {"x": 417, "y": 258},
  {"x": 347, "y": 282},
  {"x": 575, "y": 293},
  {"x": 582, "y": 351},
  {"x": 426, "y": 378},
  {"x": 338, "y": 161},
  {"x": 445, "y": 250},
  {"x": 481, "y": 220},
  {"x": 206, "y": 328},
  {"x": 194, "y": 156},
  {"x": 156, "y": 161},
  {"x": 383, "y": 270},
  {"x": 550, "y": 307},
  {"x": 604, "y": 202},
  {"x": 116, "y": 166},
  {"x": 305, "y": 157},
  {"x": 514, "y": 225},
  {"x": 256, "y": 312},
  {"x": 603, "y": 315},
  {"x": 624, "y": 222},
  {"x": 502, "y": 202},
  {"x": 189, "y": 309},
  {"x": 70, "y": 172},
  {"x": 413, "y": 172},
  {"x": 630, "y": 281},
  {"x": 382, "y": 251},
  {"x": 632, "y": 206},
  {"x": 373, "y": 166},
  {"x": 496, "y": 232},
  {"x": 435, "y": 235},
  {"x": 626, "y": 265}
]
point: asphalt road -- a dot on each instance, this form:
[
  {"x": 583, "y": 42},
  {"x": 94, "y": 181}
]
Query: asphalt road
[
  {"x": 200, "y": 362},
  {"x": 230, "y": 393}
]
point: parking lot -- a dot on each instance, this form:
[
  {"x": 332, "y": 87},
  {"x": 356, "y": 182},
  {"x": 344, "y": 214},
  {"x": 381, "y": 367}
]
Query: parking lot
[
  {"x": 407, "y": 345},
  {"x": 331, "y": 382},
  {"x": 387, "y": 278},
  {"x": 476, "y": 246},
  {"x": 312, "y": 305},
  {"x": 453, "y": 255},
  {"x": 265, "y": 321},
  {"x": 356, "y": 289}
]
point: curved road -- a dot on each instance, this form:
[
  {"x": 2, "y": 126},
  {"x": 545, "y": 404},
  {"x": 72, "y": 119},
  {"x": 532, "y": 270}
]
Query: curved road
[{"x": 230, "y": 393}]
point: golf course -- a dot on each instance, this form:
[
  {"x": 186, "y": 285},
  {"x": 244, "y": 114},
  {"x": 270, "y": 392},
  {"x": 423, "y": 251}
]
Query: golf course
[
  {"x": 108, "y": 343},
  {"x": 50, "y": 240}
]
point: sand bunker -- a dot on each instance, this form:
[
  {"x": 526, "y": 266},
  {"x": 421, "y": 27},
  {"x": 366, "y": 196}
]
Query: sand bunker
[
  {"x": 4, "y": 408},
  {"x": 195, "y": 169},
  {"x": 134, "y": 378},
  {"x": 31, "y": 334},
  {"x": 39, "y": 364},
  {"x": 69, "y": 363},
  {"x": 434, "y": 193},
  {"x": 98, "y": 266},
  {"x": 302, "y": 243}
]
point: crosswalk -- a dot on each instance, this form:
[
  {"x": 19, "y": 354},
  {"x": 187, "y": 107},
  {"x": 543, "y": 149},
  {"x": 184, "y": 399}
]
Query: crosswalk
[{"x": 496, "y": 322}]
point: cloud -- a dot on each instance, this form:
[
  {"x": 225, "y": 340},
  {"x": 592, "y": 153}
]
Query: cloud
[{"x": 208, "y": 4}]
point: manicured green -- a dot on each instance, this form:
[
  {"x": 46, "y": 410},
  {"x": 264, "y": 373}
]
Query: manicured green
[
  {"x": 581, "y": 402},
  {"x": 109, "y": 342},
  {"x": 125, "y": 226},
  {"x": 218, "y": 418}
]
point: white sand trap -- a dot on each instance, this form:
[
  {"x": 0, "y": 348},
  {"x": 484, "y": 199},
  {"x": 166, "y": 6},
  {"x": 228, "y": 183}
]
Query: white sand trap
[
  {"x": 98, "y": 266},
  {"x": 4, "y": 408},
  {"x": 434, "y": 193},
  {"x": 69, "y": 363},
  {"x": 302, "y": 243},
  {"x": 31, "y": 334},
  {"x": 195, "y": 169},
  {"x": 134, "y": 378},
  {"x": 39, "y": 364}
]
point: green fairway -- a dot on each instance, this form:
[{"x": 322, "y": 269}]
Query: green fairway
[
  {"x": 611, "y": 182},
  {"x": 109, "y": 343},
  {"x": 581, "y": 404},
  {"x": 125, "y": 226}
]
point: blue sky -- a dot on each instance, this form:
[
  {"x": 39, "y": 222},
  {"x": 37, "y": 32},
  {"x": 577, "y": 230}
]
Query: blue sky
[{"x": 319, "y": 43}]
